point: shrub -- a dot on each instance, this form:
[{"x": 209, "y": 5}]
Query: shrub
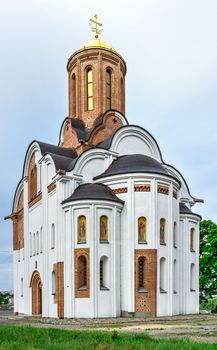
[{"x": 212, "y": 304}]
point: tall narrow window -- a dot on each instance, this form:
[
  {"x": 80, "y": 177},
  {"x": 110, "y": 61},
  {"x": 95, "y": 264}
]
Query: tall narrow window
[
  {"x": 162, "y": 231},
  {"x": 103, "y": 273},
  {"x": 34, "y": 245},
  {"x": 175, "y": 235},
  {"x": 192, "y": 238},
  {"x": 192, "y": 278},
  {"x": 37, "y": 243},
  {"x": 103, "y": 228},
  {"x": 30, "y": 244},
  {"x": 162, "y": 275},
  {"x": 73, "y": 95},
  {"x": 53, "y": 238},
  {"x": 122, "y": 95},
  {"x": 142, "y": 223},
  {"x": 19, "y": 247},
  {"x": 108, "y": 89},
  {"x": 81, "y": 229},
  {"x": 53, "y": 284},
  {"x": 21, "y": 287},
  {"x": 175, "y": 276},
  {"x": 141, "y": 274},
  {"x": 89, "y": 89},
  {"x": 82, "y": 273},
  {"x": 41, "y": 240}
]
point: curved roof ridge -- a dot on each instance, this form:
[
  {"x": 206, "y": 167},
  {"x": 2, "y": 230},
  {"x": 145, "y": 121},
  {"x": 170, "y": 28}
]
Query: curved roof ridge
[{"x": 93, "y": 191}]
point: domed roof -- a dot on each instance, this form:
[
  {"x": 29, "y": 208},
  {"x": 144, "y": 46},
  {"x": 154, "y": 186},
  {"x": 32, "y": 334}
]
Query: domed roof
[
  {"x": 92, "y": 191},
  {"x": 134, "y": 163},
  {"x": 96, "y": 43}
]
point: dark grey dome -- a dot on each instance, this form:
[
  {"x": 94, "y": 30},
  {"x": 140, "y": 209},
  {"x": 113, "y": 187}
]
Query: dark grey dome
[
  {"x": 183, "y": 209},
  {"x": 93, "y": 191},
  {"x": 134, "y": 163}
]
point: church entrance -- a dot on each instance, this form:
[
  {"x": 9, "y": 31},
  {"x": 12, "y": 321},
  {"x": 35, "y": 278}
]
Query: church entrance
[{"x": 36, "y": 286}]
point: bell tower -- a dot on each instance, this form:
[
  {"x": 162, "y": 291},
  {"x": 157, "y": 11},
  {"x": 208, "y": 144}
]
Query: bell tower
[{"x": 96, "y": 79}]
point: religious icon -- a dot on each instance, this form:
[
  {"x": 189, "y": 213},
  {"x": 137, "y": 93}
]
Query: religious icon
[
  {"x": 103, "y": 228},
  {"x": 82, "y": 228},
  {"x": 142, "y": 229},
  {"x": 162, "y": 231}
]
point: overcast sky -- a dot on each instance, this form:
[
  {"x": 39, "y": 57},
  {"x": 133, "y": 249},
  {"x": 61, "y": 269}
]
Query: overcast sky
[{"x": 170, "y": 48}]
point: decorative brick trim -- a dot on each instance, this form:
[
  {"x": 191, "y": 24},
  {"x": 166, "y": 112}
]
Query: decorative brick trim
[
  {"x": 175, "y": 194},
  {"x": 142, "y": 188},
  {"x": 146, "y": 301},
  {"x": 163, "y": 189},
  {"x": 35, "y": 200},
  {"x": 120, "y": 190},
  {"x": 78, "y": 253},
  {"x": 60, "y": 289},
  {"x": 51, "y": 187}
]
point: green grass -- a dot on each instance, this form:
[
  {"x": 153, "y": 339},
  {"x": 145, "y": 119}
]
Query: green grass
[{"x": 29, "y": 338}]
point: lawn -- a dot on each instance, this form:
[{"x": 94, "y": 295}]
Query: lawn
[{"x": 20, "y": 338}]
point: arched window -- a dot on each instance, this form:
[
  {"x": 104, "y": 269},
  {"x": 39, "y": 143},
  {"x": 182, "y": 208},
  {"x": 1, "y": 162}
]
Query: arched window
[
  {"x": 53, "y": 238},
  {"x": 104, "y": 274},
  {"x": 175, "y": 276},
  {"x": 30, "y": 244},
  {"x": 162, "y": 275},
  {"x": 142, "y": 224},
  {"x": 192, "y": 278},
  {"x": 21, "y": 287},
  {"x": 192, "y": 239},
  {"x": 108, "y": 89},
  {"x": 73, "y": 95},
  {"x": 141, "y": 274},
  {"x": 175, "y": 235},
  {"x": 41, "y": 240},
  {"x": 53, "y": 282},
  {"x": 103, "y": 228},
  {"x": 82, "y": 273},
  {"x": 81, "y": 229},
  {"x": 162, "y": 231},
  {"x": 37, "y": 243},
  {"x": 89, "y": 89}
]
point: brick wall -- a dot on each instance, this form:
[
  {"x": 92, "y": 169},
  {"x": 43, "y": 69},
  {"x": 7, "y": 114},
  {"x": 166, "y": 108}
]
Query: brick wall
[
  {"x": 146, "y": 301},
  {"x": 58, "y": 268},
  {"x": 18, "y": 225},
  {"x": 84, "y": 293},
  {"x": 98, "y": 60}
]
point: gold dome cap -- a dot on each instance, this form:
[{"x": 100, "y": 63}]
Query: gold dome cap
[{"x": 97, "y": 43}]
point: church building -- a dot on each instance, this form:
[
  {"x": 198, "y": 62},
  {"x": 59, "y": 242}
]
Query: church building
[{"x": 102, "y": 226}]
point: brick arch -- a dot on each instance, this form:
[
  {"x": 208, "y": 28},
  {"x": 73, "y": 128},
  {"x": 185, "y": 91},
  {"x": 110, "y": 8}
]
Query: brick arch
[
  {"x": 36, "y": 285},
  {"x": 32, "y": 175}
]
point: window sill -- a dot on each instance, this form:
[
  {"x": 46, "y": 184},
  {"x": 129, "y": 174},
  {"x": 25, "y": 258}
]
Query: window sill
[
  {"x": 82, "y": 242},
  {"x": 104, "y": 242},
  {"x": 82, "y": 288},
  {"x": 175, "y": 246},
  {"x": 162, "y": 291},
  {"x": 163, "y": 243},
  {"x": 192, "y": 290},
  {"x": 53, "y": 293},
  {"x": 142, "y": 242},
  {"x": 192, "y": 251},
  {"x": 174, "y": 292},
  {"x": 142, "y": 290},
  {"x": 52, "y": 248},
  {"x": 104, "y": 288}
]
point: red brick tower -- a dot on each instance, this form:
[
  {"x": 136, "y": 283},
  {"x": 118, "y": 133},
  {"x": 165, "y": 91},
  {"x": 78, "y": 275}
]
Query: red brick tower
[{"x": 96, "y": 84}]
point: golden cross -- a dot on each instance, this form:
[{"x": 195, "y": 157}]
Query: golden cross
[{"x": 95, "y": 24}]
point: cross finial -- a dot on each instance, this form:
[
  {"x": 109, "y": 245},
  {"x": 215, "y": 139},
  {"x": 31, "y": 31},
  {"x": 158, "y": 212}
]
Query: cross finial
[{"x": 95, "y": 24}]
